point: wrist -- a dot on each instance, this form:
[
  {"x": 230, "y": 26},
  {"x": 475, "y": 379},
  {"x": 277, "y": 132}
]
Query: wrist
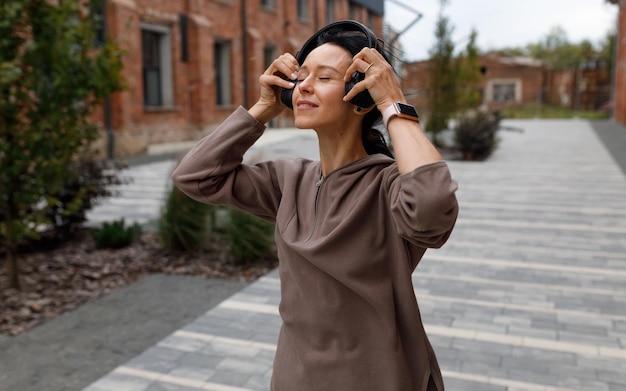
[
  {"x": 262, "y": 112},
  {"x": 401, "y": 110}
]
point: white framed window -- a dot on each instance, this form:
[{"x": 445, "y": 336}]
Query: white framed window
[
  {"x": 504, "y": 90},
  {"x": 222, "y": 58},
  {"x": 156, "y": 56}
]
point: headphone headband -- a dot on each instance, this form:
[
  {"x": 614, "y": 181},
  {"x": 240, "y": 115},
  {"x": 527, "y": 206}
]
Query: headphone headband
[
  {"x": 363, "y": 99},
  {"x": 345, "y": 25}
]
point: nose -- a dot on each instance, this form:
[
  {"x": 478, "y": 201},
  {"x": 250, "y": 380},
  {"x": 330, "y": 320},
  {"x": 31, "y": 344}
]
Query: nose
[{"x": 305, "y": 85}]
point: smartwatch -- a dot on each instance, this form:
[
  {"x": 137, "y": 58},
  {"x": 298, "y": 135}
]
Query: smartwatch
[{"x": 402, "y": 110}]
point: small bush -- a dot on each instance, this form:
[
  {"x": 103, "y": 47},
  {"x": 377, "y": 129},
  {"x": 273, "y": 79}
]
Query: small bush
[
  {"x": 63, "y": 210},
  {"x": 115, "y": 235},
  {"x": 250, "y": 238},
  {"x": 86, "y": 182},
  {"x": 183, "y": 222},
  {"x": 475, "y": 134}
]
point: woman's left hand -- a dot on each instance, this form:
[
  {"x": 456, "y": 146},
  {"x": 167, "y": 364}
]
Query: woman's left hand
[{"x": 380, "y": 78}]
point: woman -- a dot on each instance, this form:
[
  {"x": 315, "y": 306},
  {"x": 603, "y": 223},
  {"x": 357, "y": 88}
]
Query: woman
[{"x": 351, "y": 227}]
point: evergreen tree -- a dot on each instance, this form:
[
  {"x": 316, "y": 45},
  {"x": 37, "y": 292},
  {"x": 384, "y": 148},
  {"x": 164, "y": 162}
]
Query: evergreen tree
[
  {"x": 443, "y": 77},
  {"x": 469, "y": 75}
]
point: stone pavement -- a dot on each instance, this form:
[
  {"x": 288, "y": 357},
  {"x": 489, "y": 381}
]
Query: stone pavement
[
  {"x": 528, "y": 294},
  {"x": 141, "y": 199}
]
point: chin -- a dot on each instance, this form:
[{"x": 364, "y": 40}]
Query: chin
[{"x": 304, "y": 123}]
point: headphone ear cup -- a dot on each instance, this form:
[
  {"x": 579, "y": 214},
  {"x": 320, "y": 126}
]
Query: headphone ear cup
[
  {"x": 363, "y": 98},
  {"x": 286, "y": 96}
]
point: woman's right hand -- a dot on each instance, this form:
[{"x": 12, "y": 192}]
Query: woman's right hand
[{"x": 272, "y": 81}]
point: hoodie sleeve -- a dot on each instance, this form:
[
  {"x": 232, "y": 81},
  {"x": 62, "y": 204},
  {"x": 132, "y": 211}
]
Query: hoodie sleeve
[
  {"x": 212, "y": 171},
  {"x": 424, "y": 205}
]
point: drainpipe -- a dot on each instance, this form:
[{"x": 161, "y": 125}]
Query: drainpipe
[
  {"x": 108, "y": 116},
  {"x": 244, "y": 51}
]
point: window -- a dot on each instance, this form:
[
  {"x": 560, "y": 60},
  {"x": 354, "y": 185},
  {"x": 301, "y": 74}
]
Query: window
[
  {"x": 330, "y": 11},
  {"x": 269, "y": 54},
  {"x": 504, "y": 92},
  {"x": 268, "y": 4},
  {"x": 351, "y": 11},
  {"x": 303, "y": 9},
  {"x": 157, "y": 65},
  {"x": 97, "y": 10},
  {"x": 223, "y": 95}
]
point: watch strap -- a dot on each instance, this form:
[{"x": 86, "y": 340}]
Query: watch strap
[{"x": 394, "y": 111}]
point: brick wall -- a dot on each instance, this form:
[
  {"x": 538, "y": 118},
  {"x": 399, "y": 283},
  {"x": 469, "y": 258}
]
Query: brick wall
[
  {"x": 194, "y": 110},
  {"x": 620, "y": 68},
  {"x": 527, "y": 77}
]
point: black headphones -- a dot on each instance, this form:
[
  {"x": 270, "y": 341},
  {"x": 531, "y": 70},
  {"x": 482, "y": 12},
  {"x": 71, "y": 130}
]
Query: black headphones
[{"x": 362, "y": 99}]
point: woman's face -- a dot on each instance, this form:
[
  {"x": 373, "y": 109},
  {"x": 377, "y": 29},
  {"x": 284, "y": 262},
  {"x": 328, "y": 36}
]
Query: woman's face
[{"x": 317, "y": 98}]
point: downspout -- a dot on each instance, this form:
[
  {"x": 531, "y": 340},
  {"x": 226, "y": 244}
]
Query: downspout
[
  {"x": 108, "y": 115},
  {"x": 244, "y": 51}
]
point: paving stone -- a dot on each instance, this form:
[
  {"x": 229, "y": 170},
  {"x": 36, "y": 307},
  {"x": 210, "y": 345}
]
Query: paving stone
[{"x": 538, "y": 254}]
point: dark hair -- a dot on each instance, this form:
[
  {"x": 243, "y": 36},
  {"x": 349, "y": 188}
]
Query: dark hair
[{"x": 354, "y": 42}]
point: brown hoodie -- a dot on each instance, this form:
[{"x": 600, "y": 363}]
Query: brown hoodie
[{"x": 347, "y": 245}]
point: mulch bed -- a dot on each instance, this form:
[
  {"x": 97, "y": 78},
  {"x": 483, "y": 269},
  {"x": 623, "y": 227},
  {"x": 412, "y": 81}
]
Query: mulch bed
[{"x": 61, "y": 279}]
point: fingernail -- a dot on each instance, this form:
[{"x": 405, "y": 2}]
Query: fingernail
[
  {"x": 294, "y": 75},
  {"x": 292, "y": 85}
]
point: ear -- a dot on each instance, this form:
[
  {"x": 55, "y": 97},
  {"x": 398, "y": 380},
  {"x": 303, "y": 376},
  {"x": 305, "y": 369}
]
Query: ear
[{"x": 358, "y": 110}]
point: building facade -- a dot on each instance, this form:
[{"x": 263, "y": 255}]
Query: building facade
[
  {"x": 505, "y": 81},
  {"x": 619, "y": 84},
  {"x": 188, "y": 64},
  {"x": 523, "y": 81}
]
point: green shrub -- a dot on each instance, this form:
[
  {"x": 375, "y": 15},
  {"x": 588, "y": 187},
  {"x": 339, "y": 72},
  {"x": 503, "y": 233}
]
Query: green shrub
[
  {"x": 115, "y": 234},
  {"x": 249, "y": 237},
  {"x": 183, "y": 222},
  {"x": 475, "y": 134},
  {"x": 87, "y": 180}
]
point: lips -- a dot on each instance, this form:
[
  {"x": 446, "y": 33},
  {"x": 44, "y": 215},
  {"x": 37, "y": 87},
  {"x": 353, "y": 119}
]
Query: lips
[{"x": 305, "y": 104}]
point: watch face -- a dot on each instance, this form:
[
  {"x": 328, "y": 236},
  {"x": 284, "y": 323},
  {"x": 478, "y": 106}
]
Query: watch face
[{"x": 406, "y": 109}]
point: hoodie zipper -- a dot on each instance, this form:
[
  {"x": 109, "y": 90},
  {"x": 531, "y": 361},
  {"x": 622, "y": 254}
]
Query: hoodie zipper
[{"x": 318, "y": 185}]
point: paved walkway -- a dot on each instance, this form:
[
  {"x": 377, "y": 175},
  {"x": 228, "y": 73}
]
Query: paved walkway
[{"x": 528, "y": 294}]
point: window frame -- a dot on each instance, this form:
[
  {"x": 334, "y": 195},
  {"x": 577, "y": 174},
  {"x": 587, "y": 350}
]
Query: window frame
[
  {"x": 492, "y": 84},
  {"x": 165, "y": 88},
  {"x": 223, "y": 77}
]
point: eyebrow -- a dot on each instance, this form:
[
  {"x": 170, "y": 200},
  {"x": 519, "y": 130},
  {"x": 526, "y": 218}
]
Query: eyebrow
[{"x": 304, "y": 67}]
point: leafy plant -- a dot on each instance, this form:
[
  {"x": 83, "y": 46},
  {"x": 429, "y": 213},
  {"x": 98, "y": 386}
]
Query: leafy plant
[
  {"x": 250, "y": 238},
  {"x": 52, "y": 74},
  {"x": 475, "y": 134},
  {"x": 87, "y": 180},
  {"x": 183, "y": 222},
  {"x": 443, "y": 74},
  {"x": 115, "y": 234}
]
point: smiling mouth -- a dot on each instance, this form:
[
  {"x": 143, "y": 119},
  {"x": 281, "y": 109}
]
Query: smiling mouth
[{"x": 305, "y": 105}]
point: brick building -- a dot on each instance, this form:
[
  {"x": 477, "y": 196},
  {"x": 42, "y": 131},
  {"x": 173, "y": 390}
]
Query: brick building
[
  {"x": 189, "y": 63},
  {"x": 619, "y": 85},
  {"x": 505, "y": 81},
  {"x": 513, "y": 81},
  {"x": 587, "y": 87}
]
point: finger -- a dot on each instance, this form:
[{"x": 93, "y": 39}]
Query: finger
[
  {"x": 358, "y": 65},
  {"x": 358, "y": 87},
  {"x": 274, "y": 80},
  {"x": 285, "y": 65}
]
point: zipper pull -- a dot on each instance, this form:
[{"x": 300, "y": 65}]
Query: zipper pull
[{"x": 319, "y": 183}]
